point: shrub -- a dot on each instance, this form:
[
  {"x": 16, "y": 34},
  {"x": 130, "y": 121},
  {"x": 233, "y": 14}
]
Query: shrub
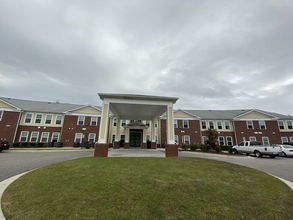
[
  {"x": 40, "y": 144},
  {"x": 230, "y": 150},
  {"x": 218, "y": 149},
  {"x": 184, "y": 146},
  {"x": 24, "y": 144},
  {"x": 163, "y": 145},
  {"x": 204, "y": 148},
  {"x": 16, "y": 144},
  {"x": 212, "y": 137},
  {"x": 225, "y": 148},
  {"x": 33, "y": 144},
  {"x": 88, "y": 146},
  {"x": 193, "y": 147}
]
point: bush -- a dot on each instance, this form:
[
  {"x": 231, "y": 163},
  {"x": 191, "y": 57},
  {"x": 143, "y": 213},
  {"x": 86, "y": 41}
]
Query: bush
[
  {"x": 16, "y": 144},
  {"x": 225, "y": 148},
  {"x": 24, "y": 144},
  {"x": 33, "y": 144},
  {"x": 218, "y": 149},
  {"x": 184, "y": 146},
  {"x": 163, "y": 145},
  {"x": 193, "y": 147},
  {"x": 230, "y": 150},
  {"x": 88, "y": 146},
  {"x": 204, "y": 148},
  {"x": 40, "y": 144}
]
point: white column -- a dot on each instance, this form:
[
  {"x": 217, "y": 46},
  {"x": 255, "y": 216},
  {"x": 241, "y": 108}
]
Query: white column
[
  {"x": 117, "y": 136},
  {"x": 127, "y": 135},
  {"x": 153, "y": 138},
  {"x": 170, "y": 125},
  {"x": 144, "y": 136},
  {"x": 104, "y": 123}
]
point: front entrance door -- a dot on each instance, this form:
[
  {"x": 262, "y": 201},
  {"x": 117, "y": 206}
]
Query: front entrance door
[{"x": 135, "y": 139}]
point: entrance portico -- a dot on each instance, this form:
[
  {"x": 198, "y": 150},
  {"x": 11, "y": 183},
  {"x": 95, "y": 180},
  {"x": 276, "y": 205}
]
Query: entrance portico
[{"x": 136, "y": 108}]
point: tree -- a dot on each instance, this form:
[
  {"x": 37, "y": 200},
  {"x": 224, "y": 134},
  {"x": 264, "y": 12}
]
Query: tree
[{"x": 212, "y": 138}]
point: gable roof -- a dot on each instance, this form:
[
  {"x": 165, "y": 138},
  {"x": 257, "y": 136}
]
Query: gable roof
[{"x": 40, "y": 106}]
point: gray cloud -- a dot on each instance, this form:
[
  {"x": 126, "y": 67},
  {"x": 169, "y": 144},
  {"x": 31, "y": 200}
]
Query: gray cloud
[{"x": 213, "y": 55}]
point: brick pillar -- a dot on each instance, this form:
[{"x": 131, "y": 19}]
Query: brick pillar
[
  {"x": 153, "y": 145},
  {"x": 171, "y": 150},
  {"x": 101, "y": 150},
  {"x": 126, "y": 145},
  {"x": 116, "y": 144},
  {"x": 144, "y": 146}
]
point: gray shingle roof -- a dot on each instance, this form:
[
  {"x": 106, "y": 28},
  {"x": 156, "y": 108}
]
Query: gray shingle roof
[{"x": 39, "y": 106}]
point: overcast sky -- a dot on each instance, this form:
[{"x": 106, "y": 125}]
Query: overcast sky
[{"x": 210, "y": 54}]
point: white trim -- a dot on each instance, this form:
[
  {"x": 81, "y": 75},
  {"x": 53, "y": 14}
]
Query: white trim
[
  {"x": 32, "y": 136},
  {"x": 10, "y": 104},
  {"x": 84, "y": 106},
  {"x": 213, "y": 124},
  {"x": 203, "y": 139},
  {"x": 284, "y": 141},
  {"x": 61, "y": 119},
  {"x": 288, "y": 125},
  {"x": 223, "y": 138},
  {"x": 92, "y": 120},
  {"x": 205, "y": 125},
  {"x": 175, "y": 123},
  {"x": 262, "y": 138},
  {"x": 254, "y": 110},
  {"x": 45, "y": 122},
  {"x": 225, "y": 125},
  {"x": 176, "y": 139},
  {"x": 260, "y": 125},
  {"x": 36, "y": 114},
  {"x": 1, "y": 116},
  {"x": 186, "y": 113},
  {"x": 58, "y": 139},
  {"x": 188, "y": 139},
  {"x": 88, "y": 139},
  {"x": 283, "y": 124},
  {"x": 252, "y": 137},
  {"x": 42, "y": 137},
  {"x": 183, "y": 123},
  {"x": 81, "y": 137},
  {"x": 80, "y": 120},
  {"x": 84, "y": 114},
  {"x": 251, "y": 124},
  {"x": 228, "y": 141},
  {"x": 221, "y": 125},
  {"x": 291, "y": 139},
  {"x": 25, "y": 137},
  {"x": 26, "y": 116}
]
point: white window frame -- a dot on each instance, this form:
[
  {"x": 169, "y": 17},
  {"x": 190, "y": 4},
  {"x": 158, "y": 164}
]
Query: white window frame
[
  {"x": 123, "y": 122},
  {"x": 221, "y": 124},
  {"x": 42, "y": 136},
  {"x": 60, "y": 120},
  {"x": 36, "y": 132},
  {"x": 252, "y": 137},
  {"x": 263, "y": 141},
  {"x": 26, "y": 137},
  {"x": 229, "y": 125},
  {"x": 94, "y": 134},
  {"x": 202, "y": 125},
  {"x": 148, "y": 137},
  {"x": 229, "y": 141},
  {"x": 53, "y": 136},
  {"x": 156, "y": 137},
  {"x": 81, "y": 137},
  {"x": 204, "y": 139},
  {"x": 115, "y": 122},
  {"x": 113, "y": 138},
  {"x": 247, "y": 125},
  {"x": 282, "y": 125},
  {"x": 1, "y": 115},
  {"x": 91, "y": 123},
  {"x": 78, "y": 119},
  {"x": 213, "y": 125},
  {"x": 291, "y": 139},
  {"x": 264, "y": 123},
  {"x": 156, "y": 123},
  {"x": 184, "y": 140},
  {"x": 284, "y": 141},
  {"x": 183, "y": 123},
  {"x": 223, "y": 138},
  {"x": 175, "y": 123},
  {"x": 290, "y": 125},
  {"x": 176, "y": 139},
  {"x": 30, "y": 118},
  {"x": 47, "y": 119},
  {"x": 41, "y": 118}
]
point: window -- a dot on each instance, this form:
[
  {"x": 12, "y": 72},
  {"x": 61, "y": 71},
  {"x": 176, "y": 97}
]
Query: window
[
  {"x": 113, "y": 137},
  {"x": 28, "y": 118},
  {"x": 265, "y": 141},
  {"x": 227, "y": 125},
  {"x": 204, "y": 140},
  {"x": 211, "y": 124},
  {"x": 23, "y": 136},
  {"x": 284, "y": 139},
  {"x": 175, "y": 123},
  {"x": 186, "y": 139},
  {"x": 34, "y": 136},
  {"x": 291, "y": 139},
  {"x": 229, "y": 141},
  {"x": 249, "y": 124},
  {"x": 38, "y": 119},
  {"x": 203, "y": 125},
  {"x": 185, "y": 124},
  {"x": 1, "y": 114},
  {"x": 252, "y": 139},
  {"x": 139, "y": 121},
  {"x": 94, "y": 121},
  {"x": 48, "y": 119},
  {"x": 148, "y": 137},
  {"x": 44, "y": 137},
  {"x": 176, "y": 139},
  {"x": 114, "y": 122},
  {"x": 122, "y": 137},
  {"x": 219, "y": 124},
  {"x": 78, "y": 137},
  {"x": 92, "y": 137},
  {"x": 221, "y": 141},
  {"x": 131, "y": 121},
  {"x": 281, "y": 125},
  {"x": 147, "y": 123},
  {"x": 156, "y": 138},
  {"x": 289, "y": 125},
  {"x": 58, "y": 120},
  {"x": 241, "y": 144},
  {"x": 55, "y": 137},
  {"x": 123, "y": 122},
  {"x": 156, "y": 123},
  {"x": 80, "y": 120},
  {"x": 262, "y": 125}
]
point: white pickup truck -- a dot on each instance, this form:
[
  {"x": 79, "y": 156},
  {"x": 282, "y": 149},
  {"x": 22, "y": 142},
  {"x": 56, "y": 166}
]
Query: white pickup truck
[{"x": 256, "y": 148}]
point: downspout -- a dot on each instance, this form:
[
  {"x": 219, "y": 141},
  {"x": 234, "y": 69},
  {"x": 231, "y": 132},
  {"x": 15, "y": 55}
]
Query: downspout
[
  {"x": 235, "y": 136},
  {"x": 16, "y": 129},
  {"x": 61, "y": 132},
  {"x": 200, "y": 131}
]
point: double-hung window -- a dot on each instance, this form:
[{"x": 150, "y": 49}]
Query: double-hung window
[
  {"x": 229, "y": 141},
  {"x": 156, "y": 123},
  {"x": 58, "y": 120},
  {"x": 55, "y": 137},
  {"x": 281, "y": 125},
  {"x": 38, "y": 119},
  {"x": 44, "y": 137},
  {"x": 92, "y": 137},
  {"x": 28, "y": 118},
  {"x": 227, "y": 125},
  {"x": 249, "y": 125},
  {"x": 266, "y": 141},
  {"x": 289, "y": 125},
  {"x": 262, "y": 125},
  {"x": 80, "y": 120},
  {"x": 78, "y": 137},
  {"x": 284, "y": 139},
  {"x": 115, "y": 122},
  {"x": 1, "y": 114},
  {"x": 147, "y": 123},
  {"x": 122, "y": 137},
  {"x": 204, "y": 140},
  {"x": 94, "y": 121},
  {"x": 123, "y": 122},
  {"x": 252, "y": 139},
  {"x": 211, "y": 124},
  {"x": 148, "y": 137},
  {"x": 175, "y": 123},
  {"x": 203, "y": 125},
  {"x": 186, "y": 139},
  {"x": 49, "y": 119},
  {"x": 176, "y": 139},
  {"x": 34, "y": 136},
  {"x": 113, "y": 137},
  {"x": 23, "y": 136},
  {"x": 221, "y": 141},
  {"x": 219, "y": 125},
  {"x": 185, "y": 124}
]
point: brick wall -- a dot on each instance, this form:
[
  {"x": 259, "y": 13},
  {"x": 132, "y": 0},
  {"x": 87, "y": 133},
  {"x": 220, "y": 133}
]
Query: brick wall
[
  {"x": 8, "y": 125},
  {"x": 224, "y": 134}
]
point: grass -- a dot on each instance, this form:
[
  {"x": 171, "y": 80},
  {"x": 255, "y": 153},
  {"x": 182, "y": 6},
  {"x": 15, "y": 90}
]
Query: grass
[{"x": 147, "y": 188}]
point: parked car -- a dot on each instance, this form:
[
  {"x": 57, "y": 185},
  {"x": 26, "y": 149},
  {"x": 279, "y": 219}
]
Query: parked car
[
  {"x": 4, "y": 145},
  {"x": 287, "y": 150},
  {"x": 256, "y": 148}
]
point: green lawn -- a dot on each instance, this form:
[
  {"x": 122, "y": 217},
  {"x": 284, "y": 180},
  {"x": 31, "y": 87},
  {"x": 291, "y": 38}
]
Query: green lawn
[{"x": 147, "y": 188}]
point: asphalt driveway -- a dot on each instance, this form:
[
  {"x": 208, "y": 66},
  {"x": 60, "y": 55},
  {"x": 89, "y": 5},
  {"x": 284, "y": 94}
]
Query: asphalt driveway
[
  {"x": 13, "y": 163},
  {"x": 279, "y": 166}
]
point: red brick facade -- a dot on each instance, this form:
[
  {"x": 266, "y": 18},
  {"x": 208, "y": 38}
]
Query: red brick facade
[{"x": 8, "y": 125}]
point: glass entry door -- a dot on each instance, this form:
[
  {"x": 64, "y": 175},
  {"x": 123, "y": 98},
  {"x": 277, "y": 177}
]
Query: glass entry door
[{"x": 135, "y": 139}]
